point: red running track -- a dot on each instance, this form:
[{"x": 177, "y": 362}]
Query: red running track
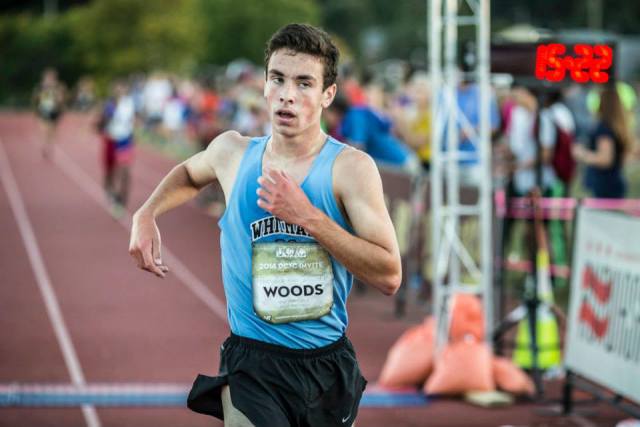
[{"x": 60, "y": 248}]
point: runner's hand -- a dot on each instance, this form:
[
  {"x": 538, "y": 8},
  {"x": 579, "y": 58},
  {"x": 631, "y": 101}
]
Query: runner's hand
[
  {"x": 145, "y": 245},
  {"x": 280, "y": 195}
]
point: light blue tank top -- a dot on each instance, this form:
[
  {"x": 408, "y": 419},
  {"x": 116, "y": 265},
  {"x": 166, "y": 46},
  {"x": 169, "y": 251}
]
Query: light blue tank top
[{"x": 244, "y": 223}]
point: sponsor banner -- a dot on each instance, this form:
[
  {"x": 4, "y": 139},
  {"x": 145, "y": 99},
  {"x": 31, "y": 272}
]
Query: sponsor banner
[{"x": 603, "y": 337}]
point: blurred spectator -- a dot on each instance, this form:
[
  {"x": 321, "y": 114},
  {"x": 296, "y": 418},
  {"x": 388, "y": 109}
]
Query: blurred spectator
[
  {"x": 370, "y": 129},
  {"x": 85, "y": 96},
  {"x": 468, "y": 97},
  {"x": 350, "y": 86},
  {"x": 530, "y": 139},
  {"x": 157, "y": 91},
  {"x": 413, "y": 119},
  {"x": 605, "y": 152},
  {"x": 137, "y": 84},
  {"x": 627, "y": 96},
  {"x": 576, "y": 100},
  {"x": 527, "y": 129},
  {"x": 208, "y": 124},
  {"x": 49, "y": 98},
  {"x": 251, "y": 116},
  {"x": 187, "y": 91},
  {"x": 206, "y": 107},
  {"x": 334, "y": 115},
  {"x": 564, "y": 131},
  {"x": 174, "y": 116},
  {"x": 506, "y": 103}
]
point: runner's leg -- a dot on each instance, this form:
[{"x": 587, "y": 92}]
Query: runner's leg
[
  {"x": 232, "y": 416},
  {"x": 47, "y": 127},
  {"x": 125, "y": 177}
]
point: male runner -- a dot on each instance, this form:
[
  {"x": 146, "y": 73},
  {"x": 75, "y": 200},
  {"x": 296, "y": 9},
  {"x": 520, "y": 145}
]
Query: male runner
[
  {"x": 304, "y": 213},
  {"x": 49, "y": 99},
  {"x": 117, "y": 126}
]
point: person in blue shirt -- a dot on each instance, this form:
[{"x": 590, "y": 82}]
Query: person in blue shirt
[
  {"x": 468, "y": 123},
  {"x": 304, "y": 214},
  {"x": 468, "y": 95},
  {"x": 371, "y": 130}
]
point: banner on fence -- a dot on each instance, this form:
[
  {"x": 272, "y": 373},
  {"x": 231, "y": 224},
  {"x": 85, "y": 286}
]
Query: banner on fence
[{"x": 603, "y": 337}]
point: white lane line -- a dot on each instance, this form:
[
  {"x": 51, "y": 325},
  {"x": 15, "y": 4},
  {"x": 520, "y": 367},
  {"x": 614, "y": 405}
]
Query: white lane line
[
  {"x": 190, "y": 280},
  {"x": 44, "y": 283}
]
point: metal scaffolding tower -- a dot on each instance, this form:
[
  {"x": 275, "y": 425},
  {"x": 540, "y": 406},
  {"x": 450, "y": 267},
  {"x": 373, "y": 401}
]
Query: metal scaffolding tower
[{"x": 447, "y": 210}]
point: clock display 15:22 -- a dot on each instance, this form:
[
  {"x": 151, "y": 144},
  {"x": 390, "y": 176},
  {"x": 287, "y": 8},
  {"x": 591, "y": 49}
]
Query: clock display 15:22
[{"x": 587, "y": 63}]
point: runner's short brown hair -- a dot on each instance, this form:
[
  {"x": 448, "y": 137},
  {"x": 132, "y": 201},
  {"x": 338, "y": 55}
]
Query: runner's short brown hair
[{"x": 307, "y": 39}]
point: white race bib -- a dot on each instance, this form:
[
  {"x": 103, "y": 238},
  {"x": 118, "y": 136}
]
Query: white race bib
[{"x": 291, "y": 281}]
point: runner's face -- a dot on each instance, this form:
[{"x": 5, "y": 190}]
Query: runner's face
[{"x": 294, "y": 94}]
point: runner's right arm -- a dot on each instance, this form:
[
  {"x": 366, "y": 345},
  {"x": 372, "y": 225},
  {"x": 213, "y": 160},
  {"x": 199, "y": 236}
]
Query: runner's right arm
[{"x": 180, "y": 185}]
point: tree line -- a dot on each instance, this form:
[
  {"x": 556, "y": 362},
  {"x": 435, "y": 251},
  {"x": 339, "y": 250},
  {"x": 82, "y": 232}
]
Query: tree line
[{"x": 112, "y": 38}]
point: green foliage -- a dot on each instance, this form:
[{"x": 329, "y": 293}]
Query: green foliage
[
  {"x": 114, "y": 38},
  {"x": 239, "y": 28},
  {"x": 617, "y": 15},
  {"x": 347, "y": 18},
  {"x": 111, "y": 38},
  {"x": 402, "y": 23},
  {"x": 105, "y": 39},
  {"x": 27, "y": 46},
  {"x": 119, "y": 37}
]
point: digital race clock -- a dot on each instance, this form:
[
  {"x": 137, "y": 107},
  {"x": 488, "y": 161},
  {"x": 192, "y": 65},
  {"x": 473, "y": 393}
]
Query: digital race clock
[{"x": 586, "y": 63}]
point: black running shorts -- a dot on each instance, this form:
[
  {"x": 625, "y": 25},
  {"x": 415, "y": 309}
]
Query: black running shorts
[{"x": 276, "y": 386}]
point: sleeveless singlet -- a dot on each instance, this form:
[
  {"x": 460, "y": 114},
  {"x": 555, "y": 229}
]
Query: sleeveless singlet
[{"x": 281, "y": 286}]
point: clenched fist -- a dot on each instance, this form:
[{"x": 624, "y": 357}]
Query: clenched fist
[{"x": 280, "y": 195}]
